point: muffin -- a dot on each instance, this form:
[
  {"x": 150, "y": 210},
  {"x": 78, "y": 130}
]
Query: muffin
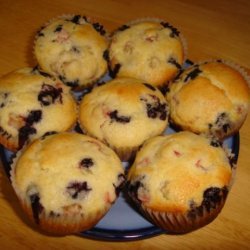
[
  {"x": 209, "y": 98},
  {"x": 72, "y": 48},
  {"x": 66, "y": 182},
  {"x": 180, "y": 181},
  {"x": 32, "y": 103},
  {"x": 123, "y": 113},
  {"x": 150, "y": 50}
]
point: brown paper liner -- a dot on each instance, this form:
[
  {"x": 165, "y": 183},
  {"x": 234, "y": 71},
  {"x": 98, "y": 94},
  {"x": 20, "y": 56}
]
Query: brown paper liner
[
  {"x": 64, "y": 224},
  {"x": 180, "y": 223}
]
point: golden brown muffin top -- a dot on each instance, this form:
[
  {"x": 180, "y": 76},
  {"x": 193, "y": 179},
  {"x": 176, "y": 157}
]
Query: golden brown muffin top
[
  {"x": 148, "y": 50},
  {"x": 32, "y": 104},
  {"x": 211, "y": 98},
  {"x": 172, "y": 173},
  {"x": 124, "y": 112},
  {"x": 72, "y": 48},
  {"x": 67, "y": 171}
]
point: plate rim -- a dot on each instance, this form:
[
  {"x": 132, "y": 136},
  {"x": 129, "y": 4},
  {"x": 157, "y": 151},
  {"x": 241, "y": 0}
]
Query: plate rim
[{"x": 122, "y": 235}]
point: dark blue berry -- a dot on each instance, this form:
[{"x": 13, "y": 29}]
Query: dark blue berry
[
  {"x": 77, "y": 189},
  {"x": 86, "y": 163},
  {"x": 106, "y": 55},
  {"x": 192, "y": 74},
  {"x": 155, "y": 109},
  {"x": 36, "y": 206},
  {"x": 123, "y": 27},
  {"x": 33, "y": 117},
  {"x": 49, "y": 94},
  {"x": 150, "y": 86},
  {"x": 119, "y": 118},
  {"x": 121, "y": 181},
  {"x": 173, "y": 61},
  {"x": 99, "y": 28},
  {"x": 58, "y": 28},
  {"x": 113, "y": 72},
  {"x": 174, "y": 31},
  {"x": 76, "y": 19}
]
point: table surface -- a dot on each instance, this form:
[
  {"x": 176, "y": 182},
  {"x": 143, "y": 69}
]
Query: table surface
[{"x": 213, "y": 29}]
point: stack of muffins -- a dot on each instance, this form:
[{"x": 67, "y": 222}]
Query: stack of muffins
[{"x": 67, "y": 179}]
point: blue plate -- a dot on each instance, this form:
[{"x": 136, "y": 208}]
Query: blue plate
[{"x": 123, "y": 222}]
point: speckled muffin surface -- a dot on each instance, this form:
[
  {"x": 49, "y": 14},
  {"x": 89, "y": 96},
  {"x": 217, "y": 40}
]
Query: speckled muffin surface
[
  {"x": 66, "y": 182},
  {"x": 72, "y": 48},
  {"x": 210, "y": 98},
  {"x": 123, "y": 113},
  {"x": 148, "y": 50},
  {"x": 182, "y": 175},
  {"x": 33, "y": 103}
]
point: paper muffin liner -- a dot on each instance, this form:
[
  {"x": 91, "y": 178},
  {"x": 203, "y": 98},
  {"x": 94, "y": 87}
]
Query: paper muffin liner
[
  {"x": 89, "y": 20},
  {"x": 65, "y": 223},
  {"x": 181, "y": 222}
]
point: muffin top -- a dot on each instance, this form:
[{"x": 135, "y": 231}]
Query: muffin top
[
  {"x": 210, "y": 98},
  {"x": 72, "y": 48},
  {"x": 171, "y": 173},
  {"x": 67, "y": 173},
  {"x": 124, "y": 112},
  {"x": 33, "y": 103},
  {"x": 148, "y": 50}
]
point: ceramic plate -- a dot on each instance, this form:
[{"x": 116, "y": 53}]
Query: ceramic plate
[{"x": 123, "y": 222}]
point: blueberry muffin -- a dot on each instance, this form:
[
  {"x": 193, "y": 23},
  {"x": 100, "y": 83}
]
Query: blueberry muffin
[
  {"x": 180, "y": 181},
  {"x": 210, "y": 98},
  {"x": 33, "y": 103},
  {"x": 148, "y": 50},
  {"x": 72, "y": 48},
  {"x": 123, "y": 113},
  {"x": 66, "y": 182}
]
